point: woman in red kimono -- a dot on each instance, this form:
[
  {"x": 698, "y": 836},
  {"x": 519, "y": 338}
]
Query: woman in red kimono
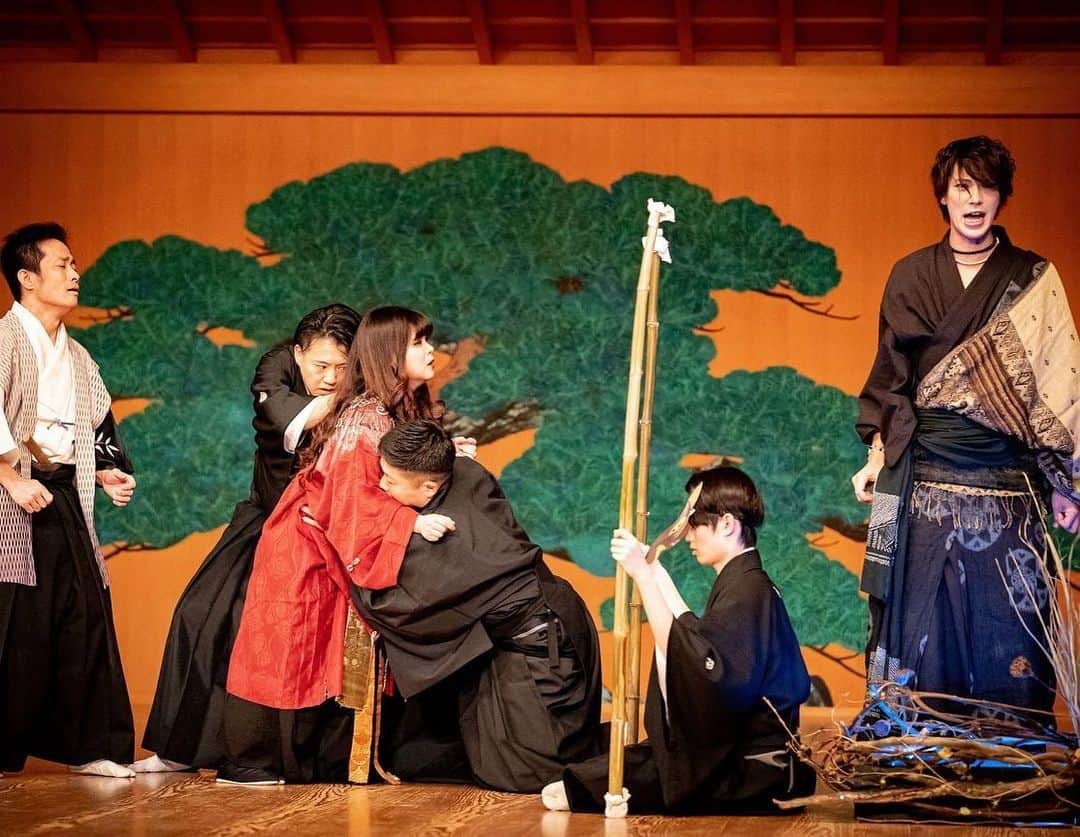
[{"x": 289, "y": 649}]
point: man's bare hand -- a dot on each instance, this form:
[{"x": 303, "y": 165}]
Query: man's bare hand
[
  {"x": 29, "y": 495},
  {"x": 864, "y": 479},
  {"x": 432, "y": 527},
  {"x": 120, "y": 487},
  {"x": 1066, "y": 513}
]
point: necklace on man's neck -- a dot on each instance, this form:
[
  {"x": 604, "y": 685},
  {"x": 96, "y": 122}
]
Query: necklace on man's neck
[
  {"x": 989, "y": 246},
  {"x": 988, "y": 250}
]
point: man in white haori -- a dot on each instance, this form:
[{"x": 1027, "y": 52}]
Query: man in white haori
[{"x": 62, "y": 690}]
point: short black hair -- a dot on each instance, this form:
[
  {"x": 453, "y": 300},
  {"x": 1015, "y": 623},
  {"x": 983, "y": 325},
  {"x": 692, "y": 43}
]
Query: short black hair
[
  {"x": 420, "y": 447},
  {"x": 986, "y": 161},
  {"x": 20, "y": 251},
  {"x": 338, "y": 322},
  {"x": 727, "y": 490}
]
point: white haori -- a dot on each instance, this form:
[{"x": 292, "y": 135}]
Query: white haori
[{"x": 23, "y": 374}]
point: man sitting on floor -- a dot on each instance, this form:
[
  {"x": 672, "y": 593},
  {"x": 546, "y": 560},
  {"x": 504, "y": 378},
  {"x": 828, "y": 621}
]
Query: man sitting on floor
[{"x": 714, "y": 746}]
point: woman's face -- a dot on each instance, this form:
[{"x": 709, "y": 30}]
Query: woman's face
[
  {"x": 972, "y": 209},
  {"x": 419, "y": 361}
]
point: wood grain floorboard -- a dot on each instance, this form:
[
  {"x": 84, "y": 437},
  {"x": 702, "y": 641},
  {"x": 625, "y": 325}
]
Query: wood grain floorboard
[
  {"x": 188, "y": 803},
  {"x": 292, "y": 810},
  {"x": 63, "y": 797}
]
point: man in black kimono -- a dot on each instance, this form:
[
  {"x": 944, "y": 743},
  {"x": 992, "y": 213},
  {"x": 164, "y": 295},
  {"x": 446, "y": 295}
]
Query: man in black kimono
[
  {"x": 967, "y": 416},
  {"x": 293, "y": 389},
  {"x": 491, "y": 651},
  {"x": 713, "y": 746}
]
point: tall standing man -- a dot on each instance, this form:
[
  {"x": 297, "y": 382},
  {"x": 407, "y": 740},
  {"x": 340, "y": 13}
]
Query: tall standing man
[
  {"x": 293, "y": 391},
  {"x": 62, "y": 690}
]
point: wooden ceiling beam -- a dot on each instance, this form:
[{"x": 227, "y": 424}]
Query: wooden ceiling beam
[
  {"x": 786, "y": 22},
  {"x": 78, "y": 30},
  {"x": 279, "y": 31},
  {"x": 380, "y": 30},
  {"x": 684, "y": 30},
  {"x": 185, "y": 46},
  {"x": 890, "y": 42},
  {"x": 481, "y": 30},
  {"x": 579, "y": 11},
  {"x": 995, "y": 30}
]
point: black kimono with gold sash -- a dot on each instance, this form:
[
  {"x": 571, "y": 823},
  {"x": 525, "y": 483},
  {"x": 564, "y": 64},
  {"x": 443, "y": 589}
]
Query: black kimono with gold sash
[{"x": 954, "y": 541}]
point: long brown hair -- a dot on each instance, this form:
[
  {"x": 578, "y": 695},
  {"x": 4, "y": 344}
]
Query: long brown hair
[{"x": 376, "y": 369}]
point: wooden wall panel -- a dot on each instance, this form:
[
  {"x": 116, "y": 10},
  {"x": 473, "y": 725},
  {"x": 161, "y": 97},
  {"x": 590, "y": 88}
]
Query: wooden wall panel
[
  {"x": 593, "y": 90},
  {"x": 853, "y": 181},
  {"x": 858, "y": 185}
]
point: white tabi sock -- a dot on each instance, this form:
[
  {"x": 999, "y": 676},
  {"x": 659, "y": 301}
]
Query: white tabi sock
[
  {"x": 616, "y": 805},
  {"x": 156, "y": 764},
  {"x": 103, "y": 767},
  {"x": 554, "y": 797}
]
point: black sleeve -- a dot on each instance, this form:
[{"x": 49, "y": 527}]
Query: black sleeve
[
  {"x": 719, "y": 658},
  {"x": 714, "y": 676},
  {"x": 109, "y": 449},
  {"x": 273, "y": 389},
  {"x": 489, "y": 498},
  {"x": 890, "y": 375}
]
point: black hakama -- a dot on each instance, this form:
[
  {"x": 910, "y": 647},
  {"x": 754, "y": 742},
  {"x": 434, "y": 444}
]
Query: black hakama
[
  {"x": 62, "y": 692},
  {"x": 480, "y": 608},
  {"x": 302, "y": 746},
  {"x": 186, "y": 719}
]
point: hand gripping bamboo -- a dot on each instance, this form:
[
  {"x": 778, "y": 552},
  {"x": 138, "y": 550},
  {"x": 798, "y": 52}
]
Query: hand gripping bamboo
[{"x": 636, "y": 438}]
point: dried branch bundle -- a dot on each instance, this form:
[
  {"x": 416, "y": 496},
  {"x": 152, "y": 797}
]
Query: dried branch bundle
[{"x": 941, "y": 755}]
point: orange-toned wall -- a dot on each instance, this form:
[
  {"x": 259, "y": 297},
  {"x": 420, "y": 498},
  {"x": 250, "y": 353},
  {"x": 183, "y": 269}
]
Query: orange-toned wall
[{"x": 122, "y": 155}]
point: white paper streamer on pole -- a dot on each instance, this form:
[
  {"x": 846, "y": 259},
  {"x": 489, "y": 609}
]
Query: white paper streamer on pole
[
  {"x": 661, "y": 246},
  {"x": 663, "y": 211}
]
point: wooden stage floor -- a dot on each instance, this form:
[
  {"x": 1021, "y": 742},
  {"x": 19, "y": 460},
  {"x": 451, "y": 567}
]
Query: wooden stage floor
[
  {"x": 46, "y": 799},
  {"x": 43, "y": 800}
]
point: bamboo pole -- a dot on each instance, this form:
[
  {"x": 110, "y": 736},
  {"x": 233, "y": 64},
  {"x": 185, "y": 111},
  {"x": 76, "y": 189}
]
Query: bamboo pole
[
  {"x": 633, "y": 668},
  {"x": 626, "y": 506},
  {"x": 641, "y": 517}
]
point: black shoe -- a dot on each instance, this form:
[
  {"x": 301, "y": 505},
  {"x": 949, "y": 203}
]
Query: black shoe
[{"x": 230, "y": 774}]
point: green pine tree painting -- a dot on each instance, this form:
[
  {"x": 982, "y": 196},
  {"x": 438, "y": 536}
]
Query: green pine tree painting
[{"x": 496, "y": 247}]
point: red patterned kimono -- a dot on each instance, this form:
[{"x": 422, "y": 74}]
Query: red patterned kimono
[{"x": 289, "y": 649}]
